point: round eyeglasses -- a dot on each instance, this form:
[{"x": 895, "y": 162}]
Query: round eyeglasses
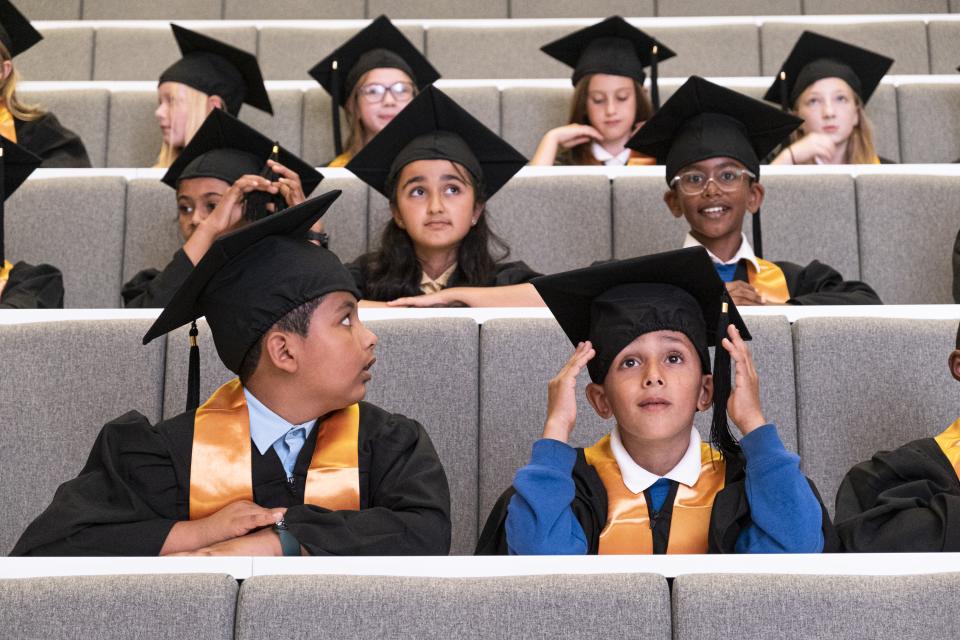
[
  {"x": 375, "y": 92},
  {"x": 693, "y": 183}
]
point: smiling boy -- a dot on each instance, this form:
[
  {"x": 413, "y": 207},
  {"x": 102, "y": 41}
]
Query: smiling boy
[
  {"x": 284, "y": 460},
  {"x": 642, "y": 328},
  {"x": 711, "y": 140}
]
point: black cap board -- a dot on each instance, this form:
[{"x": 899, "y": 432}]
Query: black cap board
[
  {"x": 434, "y": 127},
  {"x": 815, "y": 57},
  {"x": 218, "y": 69},
  {"x": 16, "y": 32},
  {"x": 16, "y": 165}
]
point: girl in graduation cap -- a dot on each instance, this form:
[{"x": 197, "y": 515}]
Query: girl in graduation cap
[
  {"x": 609, "y": 100},
  {"x": 38, "y": 131},
  {"x": 828, "y": 83},
  {"x": 438, "y": 166},
  {"x": 374, "y": 75},
  {"x": 642, "y": 329},
  {"x": 216, "y": 179},
  {"x": 210, "y": 75}
]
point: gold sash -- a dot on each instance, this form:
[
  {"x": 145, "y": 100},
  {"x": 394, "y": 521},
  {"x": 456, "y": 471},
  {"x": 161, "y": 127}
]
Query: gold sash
[
  {"x": 949, "y": 442},
  {"x": 640, "y": 160},
  {"x": 628, "y": 522},
  {"x": 5, "y": 269},
  {"x": 769, "y": 281},
  {"x": 341, "y": 160},
  {"x": 221, "y": 464},
  {"x": 8, "y": 126}
]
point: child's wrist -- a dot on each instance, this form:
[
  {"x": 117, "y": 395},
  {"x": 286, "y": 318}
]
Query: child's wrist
[{"x": 555, "y": 431}]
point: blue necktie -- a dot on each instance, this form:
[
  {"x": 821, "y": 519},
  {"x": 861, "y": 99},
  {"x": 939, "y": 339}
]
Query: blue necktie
[{"x": 293, "y": 442}]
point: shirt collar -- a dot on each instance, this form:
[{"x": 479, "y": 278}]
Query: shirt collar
[
  {"x": 607, "y": 158},
  {"x": 745, "y": 252},
  {"x": 266, "y": 427},
  {"x": 432, "y": 285},
  {"x": 637, "y": 479}
]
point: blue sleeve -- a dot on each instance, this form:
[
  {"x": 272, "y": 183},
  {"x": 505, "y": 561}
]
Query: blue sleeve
[
  {"x": 540, "y": 519},
  {"x": 785, "y": 515}
]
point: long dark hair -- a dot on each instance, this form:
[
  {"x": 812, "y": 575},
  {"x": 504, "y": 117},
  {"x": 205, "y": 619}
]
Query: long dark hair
[{"x": 394, "y": 271}]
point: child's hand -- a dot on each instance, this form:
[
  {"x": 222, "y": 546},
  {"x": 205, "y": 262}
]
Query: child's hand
[
  {"x": 743, "y": 407},
  {"x": 238, "y": 519},
  {"x": 744, "y": 294},
  {"x": 562, "y": 395}
]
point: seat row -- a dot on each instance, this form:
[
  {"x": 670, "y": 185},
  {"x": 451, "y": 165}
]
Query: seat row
[
  {"x": 489, "y": 49},
  {"x": 914, "y": 120},
  {"x": 697, "y": 607},
  {"x": 894, "y": 231},
  {"x": 838, "y": 389}
]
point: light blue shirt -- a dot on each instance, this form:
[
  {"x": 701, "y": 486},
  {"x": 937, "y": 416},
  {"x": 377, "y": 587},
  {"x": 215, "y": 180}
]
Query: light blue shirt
[{"x": 267, "y": 429}]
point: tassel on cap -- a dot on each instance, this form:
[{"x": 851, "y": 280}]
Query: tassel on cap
[
  {"x": 654, "y": 84},
  {"x": 335, "y": 108},
  {"x": 784, "y": 100},
  {"x": 193, "y": 377},
  {"x": 720, "y": 435}
]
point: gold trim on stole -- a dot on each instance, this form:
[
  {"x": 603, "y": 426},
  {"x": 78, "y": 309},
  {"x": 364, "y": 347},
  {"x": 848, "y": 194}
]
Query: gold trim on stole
[
  {"x": 221, "y": 466},
  {"x": 8, "y": 126},
  {"x": 5, "y": 268},
  {"x": 628, "y": 522},
  {"x": 769, "y": 282},
  {"x": 640, "y": 160},
  {"x": 949, "y": 443}
]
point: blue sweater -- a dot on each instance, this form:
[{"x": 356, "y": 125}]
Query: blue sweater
[{"x": 785, "y": 515}]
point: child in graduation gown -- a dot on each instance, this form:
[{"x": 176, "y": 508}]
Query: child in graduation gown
[
  {"x": 287, "y": 459},
  {"x": 642, "y": 328},
  {"x": 907, "y": 499},
  {"x": 711, "y": 140}
]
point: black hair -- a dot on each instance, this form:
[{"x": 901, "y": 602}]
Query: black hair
[
  {"x": 296, "y": 321},
  {"x": 958, "y": 336}
]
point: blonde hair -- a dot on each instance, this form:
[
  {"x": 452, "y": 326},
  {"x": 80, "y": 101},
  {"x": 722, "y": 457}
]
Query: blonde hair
[
  {"x": 8, "y": 93},
  {"x": 355, "y": 130},
  {"x": 860, "y": 147},
  {"x": 581, "y": 154},
  {"x": 195, "y": 102}
]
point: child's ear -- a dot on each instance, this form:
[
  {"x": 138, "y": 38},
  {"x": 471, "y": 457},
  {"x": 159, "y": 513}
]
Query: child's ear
[
  {"x": 954, "y": 362},
  {"x": 597, "y": 396},
  {"x": 672, "y": 201},
  {"x": 397, "y": 220},
  {"x": 280, "y": 349},
  {"x": 705, "y": 399},
  {"x": 755, "y": 199}
]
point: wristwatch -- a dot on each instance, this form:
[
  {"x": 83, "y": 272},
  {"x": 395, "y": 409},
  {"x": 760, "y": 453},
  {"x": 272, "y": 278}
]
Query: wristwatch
[
  {"x": 289, "y": 544},
  {"x": 319, "y": 236}
]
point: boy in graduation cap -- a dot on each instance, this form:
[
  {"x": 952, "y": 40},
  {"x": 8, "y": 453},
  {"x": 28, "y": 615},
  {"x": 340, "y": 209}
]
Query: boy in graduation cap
[
  {"x": 642, "y": 328},
  {"x": 218, "y": 179},
  {"x": 23, "y": 285},
  {"x": 374, "y": 75},
  {"x": 37, "y": 130},
  {"x": 907, "y": 499},
  {"x": 286, "y": 459},
  {"x": 210, "y": 75},
  {"x": 711, "y": 140}
]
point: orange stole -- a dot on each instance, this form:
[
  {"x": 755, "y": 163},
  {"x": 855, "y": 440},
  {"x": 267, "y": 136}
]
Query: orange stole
[
  {"x": 222, "y": 459},
  {"x": 769, "y": 281},
  {"x": 5, "y": 269},
  {"x": 628, "y": 523},
  {"x": 949, "y": 442},
  {"x": 640, "y": 160},
  {"x": 8, "y": 126}
]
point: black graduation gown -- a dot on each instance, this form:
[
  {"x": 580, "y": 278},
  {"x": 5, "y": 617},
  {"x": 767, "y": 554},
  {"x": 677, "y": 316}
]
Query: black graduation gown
[
  {"x": 56, "y": 145},
  {"x": 818, "y": 283},
  {"x": 956, "y": 269},
  {"x": 907, "y": 499},
  {"x": 33, "y": 287},
  {"x": 135, "y": 487},
  {"x": 729, "y": 516},
  {"x": 506, "y": 273},
  {"x": 154, "y": 289}
]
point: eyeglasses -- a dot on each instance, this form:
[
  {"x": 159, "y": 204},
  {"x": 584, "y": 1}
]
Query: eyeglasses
[
  {"x": 693, "y": 183},
  {"x": 375, "y": 92}
]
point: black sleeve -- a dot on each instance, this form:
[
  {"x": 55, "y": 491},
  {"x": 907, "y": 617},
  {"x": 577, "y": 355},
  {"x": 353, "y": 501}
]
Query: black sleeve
[
  {"x": 32, "y": 287},
  {"x": 956, "y": 269},
  {"x": 405, "y": 509},
  {"x": 513, "y": 273},
  {"x": 154, "y": 289},
  {"x": 902, "y": 500},
  {"x": 124, "y": 502},
  {"x": 819, "y": 284},
  {"x": 56, "y": 145}
]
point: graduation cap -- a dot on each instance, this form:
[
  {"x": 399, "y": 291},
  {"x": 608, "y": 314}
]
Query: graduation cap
[
  {"x": 16, "y": 32},
  {"x": 226, "y": 148},
  {"x": 16, "y": 164},
  {"x": 379, "y": 45},
  {"x": 249, "y": 279},
  {"x": 704, "y": 120},
  {"x": 218, "y": 69},
  {"x": 613, "y": 47},
  {"x": 815, "y": 57},
  {"x": 434, "y": 127},
  {"x": 613, "y": 303}
]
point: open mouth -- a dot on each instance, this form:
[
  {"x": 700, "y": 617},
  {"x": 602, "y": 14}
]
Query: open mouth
[{"x": 715, "y": 211}]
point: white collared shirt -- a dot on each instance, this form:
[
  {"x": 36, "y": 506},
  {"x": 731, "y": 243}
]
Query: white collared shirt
[
  {"x": 608, "y": 159},
  {"x": 745, "y": 252},
  {"x": 637, "y": 479}
]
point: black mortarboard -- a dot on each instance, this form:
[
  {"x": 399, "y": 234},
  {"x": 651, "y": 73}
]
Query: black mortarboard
[
  {"x": 16, "y": 165},
  {"x": 815, "y": 57},
  {"x": 434, "y": 127},
  {"x": 251, "y": 277},
  {"x": 16, "y": 32},
  {"x": 218, "y": 69},
  {"x": 226, "y": 148},
  {"x": 613, "y": 47},
  {"x": 613, "y": 303}
]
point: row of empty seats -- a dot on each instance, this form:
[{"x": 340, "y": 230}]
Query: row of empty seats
[
  {"x": 697, "y": 607},
  {"x": 914, "y": 120},
  {"x": 480, "y": 391},
  {"x": 893, "y": 231},
  {"x": 493, "y": 49}
]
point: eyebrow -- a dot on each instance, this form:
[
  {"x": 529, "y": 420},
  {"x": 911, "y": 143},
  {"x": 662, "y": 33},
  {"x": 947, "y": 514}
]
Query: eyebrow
[
  {"x": 346, "y": 305},
  {"x": 412, "y": 180}
]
